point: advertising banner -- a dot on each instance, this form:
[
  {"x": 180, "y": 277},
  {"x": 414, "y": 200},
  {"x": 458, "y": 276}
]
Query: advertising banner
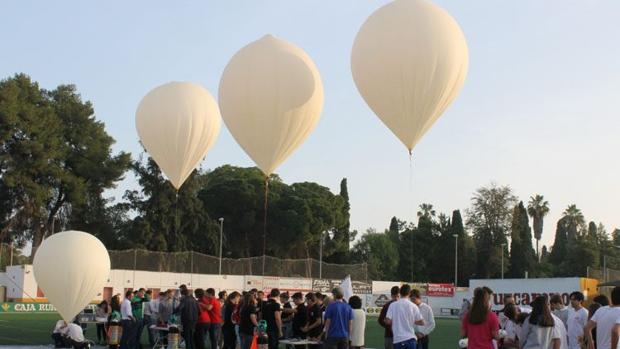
[
  {"x": 440, "y": 290},
  {"x": 292, "y": 285},
  {"x": 253, "y": 281},
  {"x": 525, "y": 290},
  {"x": 326, "y": 286},
  {"x": 19, "y": 307}
]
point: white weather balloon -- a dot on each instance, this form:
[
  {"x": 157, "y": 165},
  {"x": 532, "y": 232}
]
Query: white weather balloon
[
  {"x": 178, "y": 123},
  {"x": 409, "y": 62},
  {"x": 271, "y": 98},
  {"x": 71, "y": 267}
]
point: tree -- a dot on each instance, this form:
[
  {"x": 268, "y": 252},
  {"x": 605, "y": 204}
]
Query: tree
[
  {"x": 87, "y": 167},
  {"x": 615, "y": 236},
  {"x": 575, "y": 221},
  {"x": 166, "y": 219},
  {"x": 300, "y": 216},
  {"x": 341, "y": 236},
  {"x": 489, "y": 217},
  {"x": 379, "y": 252},
  {"x": 55, "y": 157},
  {"x": 538, "y": 208},
  {"x": 560, "y": 244},
  {"x": 466, "y": 249},
  {"x": 396, "y": 228},
  {"x": 521, "y": 252},
  {"x": 427, "y": 212},
  {"x": 441, "y": 261},
  {"x": 30, "y": 141}
]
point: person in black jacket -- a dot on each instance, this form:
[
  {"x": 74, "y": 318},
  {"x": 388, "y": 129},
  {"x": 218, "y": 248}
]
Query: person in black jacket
[
  {"x": 189, "y": 311},
  {"x": 300, "y": 319}
]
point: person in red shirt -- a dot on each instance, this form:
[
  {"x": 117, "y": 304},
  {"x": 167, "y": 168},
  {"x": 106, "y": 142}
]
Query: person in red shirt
[
  {"x": 480, "y": 325},
  {"x": 215, "y": 315},
  {"x": 204, "y": 320}
]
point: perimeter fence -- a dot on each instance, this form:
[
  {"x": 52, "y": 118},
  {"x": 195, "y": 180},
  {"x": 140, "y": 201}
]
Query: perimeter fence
[{"x": 198, "y": 263}]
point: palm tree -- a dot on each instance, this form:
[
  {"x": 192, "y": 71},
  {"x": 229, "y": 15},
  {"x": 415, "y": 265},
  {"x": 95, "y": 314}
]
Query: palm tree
[
  {"x": 574, "y": 220},
  {"x": 538, "y": 208},
  {"x": 426, "y": 211}
]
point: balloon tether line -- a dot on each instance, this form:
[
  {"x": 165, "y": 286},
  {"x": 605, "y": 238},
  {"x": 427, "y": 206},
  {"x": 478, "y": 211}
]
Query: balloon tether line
[
  {"x": 176, "y": 216},
  {"x": 265, "y": 222},
  {"x": 411, "y": 208}
]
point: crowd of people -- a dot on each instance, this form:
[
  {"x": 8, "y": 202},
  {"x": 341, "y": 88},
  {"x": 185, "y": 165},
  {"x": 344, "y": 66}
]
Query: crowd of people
[
  {"x": 232, "y": 321},
  {"x": 229, "y": 321},
  {"x": 545, "y": 324}
]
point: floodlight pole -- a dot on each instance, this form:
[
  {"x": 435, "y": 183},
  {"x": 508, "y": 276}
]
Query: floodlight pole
[{"x": 221, "y": 236}]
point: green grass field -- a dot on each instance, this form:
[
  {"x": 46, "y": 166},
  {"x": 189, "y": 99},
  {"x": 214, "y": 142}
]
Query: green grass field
[{"x": 35, "y": 329}]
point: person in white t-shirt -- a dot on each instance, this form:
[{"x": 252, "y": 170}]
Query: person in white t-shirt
[
  {"x": 577, "y": 320},
  {"x": 403, "y": 316},
  {"x": 76, "y": 335},
  {"x": 558, "y": 308},
  {"x": 358, "y": 325},
  {"x": 58, "y": 335},
  {"x": 422, "y": 332},
  {"x": 510, "y": 340},
  {"x": 604, "y": 320},
  {"x": 539, "y": 330},
  {"x": 128, "y": 337},
  {"x": 561, "y": 329}
]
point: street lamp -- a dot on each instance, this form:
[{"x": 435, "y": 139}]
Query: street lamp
[
  {"x": 456, "y": 258},
  {"x": 221, "y": 236},
  {"x": 503, "y": 245}
]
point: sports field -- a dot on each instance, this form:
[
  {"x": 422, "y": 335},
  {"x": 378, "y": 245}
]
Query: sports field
[{"x": 35, "y": 329}]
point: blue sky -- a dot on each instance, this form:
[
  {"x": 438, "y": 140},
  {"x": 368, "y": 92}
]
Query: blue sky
[{"x": 539, "y": 110}]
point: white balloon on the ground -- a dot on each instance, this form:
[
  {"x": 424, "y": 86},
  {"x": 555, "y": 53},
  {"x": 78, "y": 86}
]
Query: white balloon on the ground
[
  {"x": 71, "y": 268},
  {"x": 409, "y": 61},
  {"x": 271, "y": 97},
  {"x": 178, "y": 123}
]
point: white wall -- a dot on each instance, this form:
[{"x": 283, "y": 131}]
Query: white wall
[
  {"x": 525, "y": 290},
  {"x": 15, "y": 284}
]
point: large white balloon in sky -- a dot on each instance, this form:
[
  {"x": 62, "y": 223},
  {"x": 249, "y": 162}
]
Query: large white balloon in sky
[
  {"x": 271, "y": 98},
  {"x": 178, "y": 123},
  {"x": 409, "y": 62},
  {"x": 71, "y": 267}
]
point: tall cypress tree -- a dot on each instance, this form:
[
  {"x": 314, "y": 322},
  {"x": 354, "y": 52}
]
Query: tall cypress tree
[
  {"x": 341, "y": 234},
  {"x": 558, "y": 251},
  {"x": 521, "y": 251},
  {"x": 394, "y": 230}
]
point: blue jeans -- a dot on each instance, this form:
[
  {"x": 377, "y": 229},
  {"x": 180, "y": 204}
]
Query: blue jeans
[
  {"x": 214, "y": 334},
  {"x": 128, "y": 338},
  {"x": 336, "y": 343},
  {"x": 246, "y": 340},
  {"x": 408, "y": 344}
]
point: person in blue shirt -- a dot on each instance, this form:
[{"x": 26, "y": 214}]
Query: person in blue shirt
[{"x": 338, "y": 322}]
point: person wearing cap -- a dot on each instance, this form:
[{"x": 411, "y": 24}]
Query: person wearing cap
[{"x": 338, "y": 322}]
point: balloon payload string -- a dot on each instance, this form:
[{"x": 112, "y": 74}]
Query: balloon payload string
[
  {"x": 411, "y": 206},
  {"x": 265, "y": 222},
  {"x": 176, "y": 215}
]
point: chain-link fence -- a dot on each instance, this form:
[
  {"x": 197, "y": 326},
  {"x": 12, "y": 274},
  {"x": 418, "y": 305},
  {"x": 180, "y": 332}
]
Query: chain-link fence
[
  {"x": 198, "y": 263},
  {"x": 603, "y": 274}
]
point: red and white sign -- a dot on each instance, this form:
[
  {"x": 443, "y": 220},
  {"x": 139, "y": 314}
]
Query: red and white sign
[{"x": 440, "y": 290}]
